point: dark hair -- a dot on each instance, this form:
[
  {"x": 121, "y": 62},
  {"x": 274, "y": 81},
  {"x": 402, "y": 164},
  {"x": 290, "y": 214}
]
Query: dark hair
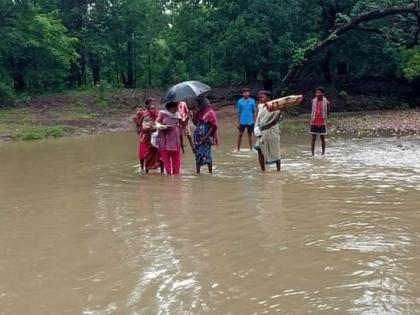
[
  {"x": 149, "y": 100},
  {"x": 203, "y": 102},
  {"x": 171, "y": 105},
  {"x": 265, "y": 92},
  {"x": 244, "y": 90},
  {"x": 321, "y": 89}
]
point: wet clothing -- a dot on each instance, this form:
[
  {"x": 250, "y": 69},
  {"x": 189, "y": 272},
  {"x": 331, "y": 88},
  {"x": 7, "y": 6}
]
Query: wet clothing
[
  {"x": 250, "y": 128},
  {"x": 319, "y": 116},
  {"x": 184, "y": 115},
  {"x": 169, "y": 139},
  {"x": 148, "y": 151},
  {"x": 318, "y": 130},
  {"x": 246, "y": 109},
  {"x": 204, "y": 121},
  {"x": 319, "y": 112},
  {"x": 138, "y": 120},
  {"x": 268, "y": 140},
  {"x": 169, "y": 142},
  {"x": 171, "y": 161},
  {"x": 202, "y": 150}
]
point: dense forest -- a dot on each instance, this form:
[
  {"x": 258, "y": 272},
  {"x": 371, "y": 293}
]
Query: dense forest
[{"x": 51, "y": 45}]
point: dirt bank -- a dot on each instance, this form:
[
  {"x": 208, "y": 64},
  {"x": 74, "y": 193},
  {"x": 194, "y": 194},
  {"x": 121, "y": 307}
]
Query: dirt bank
[
  {"x": 95, "y": 111},
  {"x": 373, "y": 123}
]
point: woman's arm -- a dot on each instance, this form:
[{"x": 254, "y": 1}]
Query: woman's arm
[
  {"x": 184, "y": 124},
  {"x": 212, "y": 129},
  {"x": 136, "y": 124}
]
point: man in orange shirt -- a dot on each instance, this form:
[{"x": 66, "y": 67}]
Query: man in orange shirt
[{"x": 320, "y": 108}]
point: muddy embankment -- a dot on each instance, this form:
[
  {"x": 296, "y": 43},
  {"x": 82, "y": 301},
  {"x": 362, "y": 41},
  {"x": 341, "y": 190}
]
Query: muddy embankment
[{"x": 94, "y": 111}]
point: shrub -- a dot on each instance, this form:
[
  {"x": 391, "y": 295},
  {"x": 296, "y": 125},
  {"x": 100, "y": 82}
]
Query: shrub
[
  {"x": 343, "y": 94},
  {"x": 6, "y": 91},
  {"x": 40, "y": 132}
]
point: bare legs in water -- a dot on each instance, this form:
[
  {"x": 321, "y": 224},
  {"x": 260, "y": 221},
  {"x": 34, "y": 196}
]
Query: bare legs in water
[
  {"x": 323, "y": 143},
  {"x": 261, "y": 160},
  {"x": 209, "y": 165},
  {"x": 162, "y": 168},
  {"x": 250, "y": 140}
]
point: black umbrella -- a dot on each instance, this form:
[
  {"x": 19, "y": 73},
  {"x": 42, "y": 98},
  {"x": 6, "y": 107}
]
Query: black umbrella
[{"x": 184, "y": 90}]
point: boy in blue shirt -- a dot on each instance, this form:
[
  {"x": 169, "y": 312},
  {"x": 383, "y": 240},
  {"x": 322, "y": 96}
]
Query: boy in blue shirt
[{"x": 246, "y": 108}]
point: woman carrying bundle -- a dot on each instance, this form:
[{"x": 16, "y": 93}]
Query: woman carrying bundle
[{"x": 149, "y": 152}]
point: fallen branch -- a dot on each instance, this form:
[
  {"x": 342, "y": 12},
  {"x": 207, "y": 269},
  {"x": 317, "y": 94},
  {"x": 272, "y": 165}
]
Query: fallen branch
[{"x": 353, "y": 23}]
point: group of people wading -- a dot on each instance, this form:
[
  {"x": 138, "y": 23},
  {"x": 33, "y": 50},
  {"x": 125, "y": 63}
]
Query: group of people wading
[
  {"x": 162, "y": 134},
  {"x": 162, "y": 131}
]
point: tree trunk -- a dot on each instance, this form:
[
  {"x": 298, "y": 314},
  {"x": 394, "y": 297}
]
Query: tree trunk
[
  {"x": 325, "y": 67},
  {"x": 267, "y": 83},
  {"x": 131, "y": 80},
  {"x": 96, "y": 69},
  {"x": 249, "y": 75},
  {"x": 18, "y": 82},
  {"x": 149, "y": 67},
  {"x": 18, "y": 79},
  {"x": 352, "y": 24},
  {"x": 82, "y": 71},
  {"x": 123, "y": 78}
]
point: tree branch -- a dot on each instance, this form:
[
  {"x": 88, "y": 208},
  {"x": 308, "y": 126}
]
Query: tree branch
[
  {"x": 368, "y": 29},
  {"x": 353, "y": 23}
]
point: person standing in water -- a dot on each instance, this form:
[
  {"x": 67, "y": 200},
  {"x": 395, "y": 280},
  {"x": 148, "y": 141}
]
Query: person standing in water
[
  {"x": 320, "y": 108},
  {"x": 205, "y": 134},
  {"x": 267, "y": 131},
  {"x": 150, "y": 153},
  {"x": 184, "y": 114},
  {"x": 246, "y": 109},
  {"x": 169, "y": 138},
  {"x": 138, "y": 122}
]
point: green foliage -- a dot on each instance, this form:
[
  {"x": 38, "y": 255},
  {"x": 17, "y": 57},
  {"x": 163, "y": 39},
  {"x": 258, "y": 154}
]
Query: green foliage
[
  {"x": 39, "y": 132},
  {"x": 411, "y": 63},
  {"x": 343, "y": 94},
  {"x": 6, "y": 91},
  {"x": 299, "y": 54},
  {"x": 56, "y": 44}
]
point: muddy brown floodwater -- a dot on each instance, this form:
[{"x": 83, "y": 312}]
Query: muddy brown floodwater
[{"x": 83, "y": 232}]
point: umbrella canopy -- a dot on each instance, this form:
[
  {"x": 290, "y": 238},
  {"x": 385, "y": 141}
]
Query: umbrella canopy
[{"x": 184, "y": 90}]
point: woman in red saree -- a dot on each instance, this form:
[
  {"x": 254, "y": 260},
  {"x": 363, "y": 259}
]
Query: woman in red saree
[
  {"x": 150, "y": 153},
  {"x": 138, "y": 121}
]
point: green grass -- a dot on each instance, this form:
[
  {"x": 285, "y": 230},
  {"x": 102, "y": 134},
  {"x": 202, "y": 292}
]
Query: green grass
[
  {"x": 85, "y": 116},
  {"x": 295, "y": 125},
  {"x": 6, "y": 114},
  {"x": 79, "y": 111},
  {"x": 40, "y": 132},
  {"x": 102, "y": 103},
  {"x": 14, "y": 114}
]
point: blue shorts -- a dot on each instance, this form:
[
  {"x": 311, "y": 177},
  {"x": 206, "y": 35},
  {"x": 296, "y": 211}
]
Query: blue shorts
[{"x": 250, "y": 128}]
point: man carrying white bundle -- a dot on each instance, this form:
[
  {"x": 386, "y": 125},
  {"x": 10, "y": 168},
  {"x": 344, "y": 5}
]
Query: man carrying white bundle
[{"x": 267, "y": 132}]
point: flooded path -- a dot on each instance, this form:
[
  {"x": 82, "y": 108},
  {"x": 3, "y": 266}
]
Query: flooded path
[{"x": 83, "y": 232}]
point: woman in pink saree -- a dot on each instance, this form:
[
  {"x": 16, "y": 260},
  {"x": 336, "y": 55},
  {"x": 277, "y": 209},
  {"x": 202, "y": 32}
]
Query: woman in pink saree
[{"x": 169, "y": 138}]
